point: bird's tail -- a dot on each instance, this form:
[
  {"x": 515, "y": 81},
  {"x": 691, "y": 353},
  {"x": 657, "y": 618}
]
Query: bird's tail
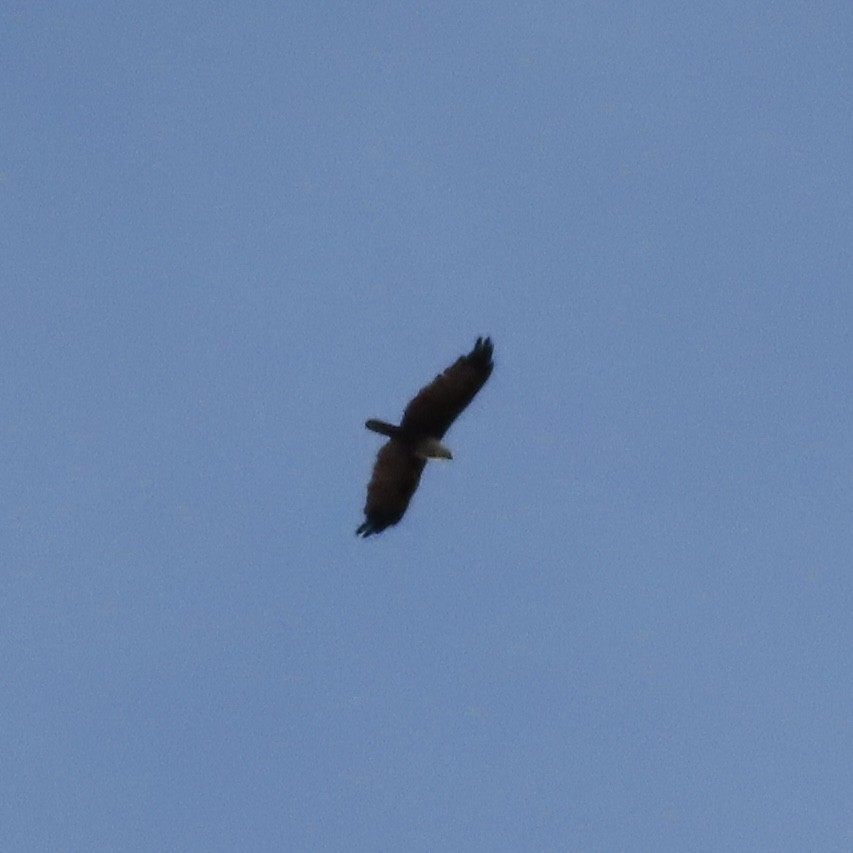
[{"x": 382, "y": 428}]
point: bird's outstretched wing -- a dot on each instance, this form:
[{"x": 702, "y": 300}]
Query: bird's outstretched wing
[
  {"x": 437, "y": 405},
  {"x": 395, "y": 477}
]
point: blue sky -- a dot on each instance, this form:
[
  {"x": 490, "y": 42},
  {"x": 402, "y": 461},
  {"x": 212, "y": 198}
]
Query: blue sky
[{"x": 620, "y": 619}]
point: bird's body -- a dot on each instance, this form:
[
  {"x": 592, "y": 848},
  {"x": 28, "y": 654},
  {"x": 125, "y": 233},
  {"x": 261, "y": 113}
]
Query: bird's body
[{"x": 427, "y": 418}]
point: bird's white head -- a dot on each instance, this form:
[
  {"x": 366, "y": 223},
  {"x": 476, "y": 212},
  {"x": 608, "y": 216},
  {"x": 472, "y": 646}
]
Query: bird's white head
[{"x": 432, "y": 448}]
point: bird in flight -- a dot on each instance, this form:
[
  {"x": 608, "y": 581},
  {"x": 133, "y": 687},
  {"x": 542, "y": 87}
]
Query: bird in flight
[{"x": 427, "y": 418}]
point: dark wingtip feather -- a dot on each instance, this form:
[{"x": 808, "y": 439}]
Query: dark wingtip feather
[
  {"x": 483, "y": 349},
  {"x": 366, "y": 528}
]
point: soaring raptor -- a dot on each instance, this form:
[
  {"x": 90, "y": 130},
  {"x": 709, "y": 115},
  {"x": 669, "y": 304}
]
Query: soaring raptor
[{"x": 427, "y": 418}]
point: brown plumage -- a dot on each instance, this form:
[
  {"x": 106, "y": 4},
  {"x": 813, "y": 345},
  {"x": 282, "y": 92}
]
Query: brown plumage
[{"x": 427, "y": 418}]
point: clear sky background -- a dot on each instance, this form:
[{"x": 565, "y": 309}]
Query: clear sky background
[{"x": 620, "y": 620}]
